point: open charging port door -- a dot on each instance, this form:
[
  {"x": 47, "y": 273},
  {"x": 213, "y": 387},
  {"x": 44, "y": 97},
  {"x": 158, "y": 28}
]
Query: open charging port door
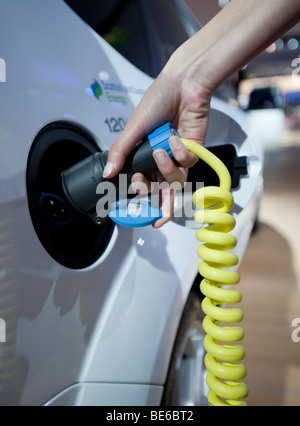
[{"x": 69, "y": 237}]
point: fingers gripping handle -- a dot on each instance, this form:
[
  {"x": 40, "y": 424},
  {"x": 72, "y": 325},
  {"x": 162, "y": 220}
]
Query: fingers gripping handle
[
  {"x": 80, "y": 182},
  {"x": 143, "y": 161}
]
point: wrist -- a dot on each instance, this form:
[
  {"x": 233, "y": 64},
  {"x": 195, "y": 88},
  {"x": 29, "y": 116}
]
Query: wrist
[
  {"x": 186, "y": 71},
  {"x": 192, "y": 68}
]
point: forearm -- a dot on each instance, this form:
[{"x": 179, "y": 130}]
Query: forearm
[
  {"x": 229, "y": 41},
  {"x": 182, "y": 92}
]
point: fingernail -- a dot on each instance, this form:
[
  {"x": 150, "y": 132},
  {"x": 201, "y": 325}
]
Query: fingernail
[
  {"x": 174, "y": 142},
  {"x": 137, "y": 183},
  {"x": 160, "y": 156},
  {"x": 108, "y": 169},
  {"x": 160, "y": 222},
  {"x": 137, "y": 179}
]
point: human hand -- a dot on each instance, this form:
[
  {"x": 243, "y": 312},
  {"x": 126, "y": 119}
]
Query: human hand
[
  {"x": 182, "y": 92},
  {"x": 184, "y": 103}
]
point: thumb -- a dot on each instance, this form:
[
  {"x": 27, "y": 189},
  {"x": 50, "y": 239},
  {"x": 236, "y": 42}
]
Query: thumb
[
  {"x": 134, "y": 132},
  {"x": 149, "y": 113},
  {"x": 116, "y": 159},
  {"x": 122, "y": 146}
]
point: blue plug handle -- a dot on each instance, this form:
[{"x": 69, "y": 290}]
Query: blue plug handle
[
  {"x": 133, "y": 213},
  {"x": 159, "y": 138}
]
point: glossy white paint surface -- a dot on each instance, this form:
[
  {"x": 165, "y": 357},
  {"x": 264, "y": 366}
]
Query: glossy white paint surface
[{"x": 116, "y": 321}]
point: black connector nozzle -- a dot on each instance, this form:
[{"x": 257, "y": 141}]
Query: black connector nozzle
[{"x": 81, "y": 180}]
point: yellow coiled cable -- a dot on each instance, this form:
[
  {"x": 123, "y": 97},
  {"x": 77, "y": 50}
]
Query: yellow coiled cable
[{"x": 222, "y": 361}]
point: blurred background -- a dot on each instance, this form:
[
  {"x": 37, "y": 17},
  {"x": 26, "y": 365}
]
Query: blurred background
[
  {"x": 269, "y": 86},
  {"x": 269, "y": 89}
]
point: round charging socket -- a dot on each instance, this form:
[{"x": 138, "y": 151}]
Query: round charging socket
[{"x": 71, "y": 238}]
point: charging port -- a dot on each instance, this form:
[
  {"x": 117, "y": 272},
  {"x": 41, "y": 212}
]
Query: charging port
[
  {"x": 70, "y": 237},
  {"x": 55, "y": 209}
]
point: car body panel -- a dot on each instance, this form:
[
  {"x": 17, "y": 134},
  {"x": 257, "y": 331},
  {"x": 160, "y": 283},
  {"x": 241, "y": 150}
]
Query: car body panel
[
  {"x": 110, "y": 327},
  {"x": 102, "y": 394}
]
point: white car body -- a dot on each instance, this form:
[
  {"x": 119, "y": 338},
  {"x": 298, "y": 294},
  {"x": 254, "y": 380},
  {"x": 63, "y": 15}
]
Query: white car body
[{"x": 100, "y": 335}]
